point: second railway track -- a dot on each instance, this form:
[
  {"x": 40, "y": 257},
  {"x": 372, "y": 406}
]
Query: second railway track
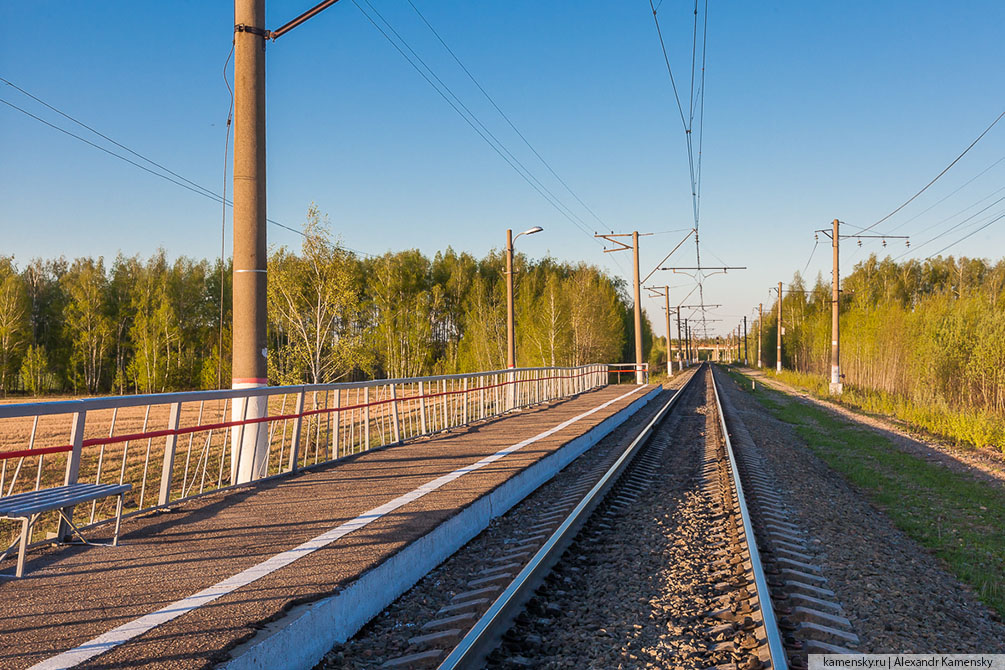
[{"x": 639, "y": 556}]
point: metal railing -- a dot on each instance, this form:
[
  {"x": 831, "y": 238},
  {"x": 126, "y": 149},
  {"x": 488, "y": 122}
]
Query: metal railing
[
  {"x": 174, "y": 446},
  {"x": 624, "y": 373}
]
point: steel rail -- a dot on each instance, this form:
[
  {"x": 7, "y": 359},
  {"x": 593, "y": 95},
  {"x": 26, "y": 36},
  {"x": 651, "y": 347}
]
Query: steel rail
[
  {"x": 776, "y": 650},
  {"x": 483, "y": 637}
]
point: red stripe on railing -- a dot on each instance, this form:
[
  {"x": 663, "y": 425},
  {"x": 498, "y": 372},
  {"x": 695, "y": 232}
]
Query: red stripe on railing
[
  {"x": 35, "y": 452},
  {"x": 118, "y": 439}
]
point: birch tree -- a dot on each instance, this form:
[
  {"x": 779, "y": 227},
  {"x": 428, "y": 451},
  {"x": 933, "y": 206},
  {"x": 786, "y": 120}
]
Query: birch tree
[
  {"x": 313, "y": 302},
  {"x": 14, "y": 324},
  {"x": 86, "y": 320}
]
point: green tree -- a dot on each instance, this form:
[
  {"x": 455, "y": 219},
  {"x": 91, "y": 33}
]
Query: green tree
[
  {"x": 543, "y": 321},
  {"x": 14, "y": 322},
  {"x": 314, "y": 301},
  {"x": 47, "y": 302},
  {"x": 35, "y": 373},
  {"x": 402, "y": 312},
  {"x": 596, "y": 317},
  {"x": 154, "y": 327},
  {"x": 87, "y": 321}
]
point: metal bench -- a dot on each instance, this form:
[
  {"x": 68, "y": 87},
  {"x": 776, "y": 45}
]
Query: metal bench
[{"x": 27, "y": 507}]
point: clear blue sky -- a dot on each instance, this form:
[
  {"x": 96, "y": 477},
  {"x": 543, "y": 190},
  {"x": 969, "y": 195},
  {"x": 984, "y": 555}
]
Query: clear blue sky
[{"x": 813, "y": 111}]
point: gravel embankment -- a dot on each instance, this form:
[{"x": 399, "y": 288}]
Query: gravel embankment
[{"x": 897, "y": 595}]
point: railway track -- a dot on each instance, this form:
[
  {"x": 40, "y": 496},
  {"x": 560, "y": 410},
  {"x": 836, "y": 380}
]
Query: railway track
[{"x": 676, "y": 550}]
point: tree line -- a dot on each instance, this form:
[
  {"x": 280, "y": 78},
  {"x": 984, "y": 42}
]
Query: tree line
[
  {"x": 153, "y": 325},
  {"x": 926, "y": 333}
]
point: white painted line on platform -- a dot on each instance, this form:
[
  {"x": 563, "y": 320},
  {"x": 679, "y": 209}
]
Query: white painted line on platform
[{"x": 137, "y": 627}]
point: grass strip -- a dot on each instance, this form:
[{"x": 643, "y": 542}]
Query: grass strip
[
  {"x": 964, "y": 427},
  {"x": 957, "y": 518}
]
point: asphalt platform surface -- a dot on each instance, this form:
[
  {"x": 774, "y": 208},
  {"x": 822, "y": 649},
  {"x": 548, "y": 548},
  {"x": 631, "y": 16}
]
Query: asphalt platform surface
[{"x": 73, "y": 594}]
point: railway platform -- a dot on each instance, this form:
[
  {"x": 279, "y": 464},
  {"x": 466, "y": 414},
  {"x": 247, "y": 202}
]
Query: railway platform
[{"x": 248, "y": 574}]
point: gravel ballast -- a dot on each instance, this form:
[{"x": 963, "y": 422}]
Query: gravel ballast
[{"x": 898, "y": 596}]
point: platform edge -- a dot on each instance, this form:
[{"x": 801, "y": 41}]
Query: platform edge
[{"x": 307, "y": 632}]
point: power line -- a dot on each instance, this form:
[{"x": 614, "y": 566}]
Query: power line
[
  {"x": 970, "y": 234},
  {"x": 504, "y": 115},
  {"x": 955, "y": 160},
  {"x": 815, "y": 244},
  {"x": 469, "y": 117},
  {"x": 223, "y": 217},
  {"x": 946, "y": 197},
  {"x": 180, "y": 181},
  {"x": 701, "y": 110},
  {"x": 102, "y": 135},
  {"x": 475, "y": 118},
  {"x": 956, "y": 226},
  {"x": 694, "y": 164},
  {"x": 203, "y": 192},
  {"x": 666, "y": 59},
  {"x": 971, "y": 206}
]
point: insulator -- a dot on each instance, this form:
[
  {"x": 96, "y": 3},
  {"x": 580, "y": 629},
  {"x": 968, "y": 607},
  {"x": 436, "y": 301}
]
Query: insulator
[
  {"x": 860, "y": 243},
  {"x": 908, "y": 242},
  {"x": 884, "y": 243}
]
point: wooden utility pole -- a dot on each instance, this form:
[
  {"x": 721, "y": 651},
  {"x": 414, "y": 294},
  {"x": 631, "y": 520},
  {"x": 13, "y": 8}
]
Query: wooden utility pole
[
  {"x": 250, "y": 355},
  {"x": 760, "y": 321},
  {"x": 637, "y": 285},
  {"x": 778, "y": 361}
]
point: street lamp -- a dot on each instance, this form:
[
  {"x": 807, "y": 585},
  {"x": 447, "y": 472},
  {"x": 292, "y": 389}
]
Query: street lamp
[{"x": 510, "y": 336}]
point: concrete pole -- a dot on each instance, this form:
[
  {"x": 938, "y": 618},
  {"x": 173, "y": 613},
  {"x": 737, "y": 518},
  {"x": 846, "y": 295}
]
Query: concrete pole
[
  {"x": 510, "y": 321},
  {"x": 687, "y": 347},
  {"x": 666, "y": 298},
  {"x": 745, "y": 358},
  {"x": 690, "y": 344},
  {"x": 778, "y": 364},
  {"x": 836, "y": 386},
  {"x": 249, "y": 451},
  {"x": 510, "y": 324},
  {"x": 760, "y": 320},
  {"x": 680, "y": 344},
  {"x": 639, "y": 376}
]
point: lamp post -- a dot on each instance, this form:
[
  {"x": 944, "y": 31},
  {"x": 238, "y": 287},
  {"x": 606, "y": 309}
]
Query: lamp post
[{"x": 510, "y": 320}]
